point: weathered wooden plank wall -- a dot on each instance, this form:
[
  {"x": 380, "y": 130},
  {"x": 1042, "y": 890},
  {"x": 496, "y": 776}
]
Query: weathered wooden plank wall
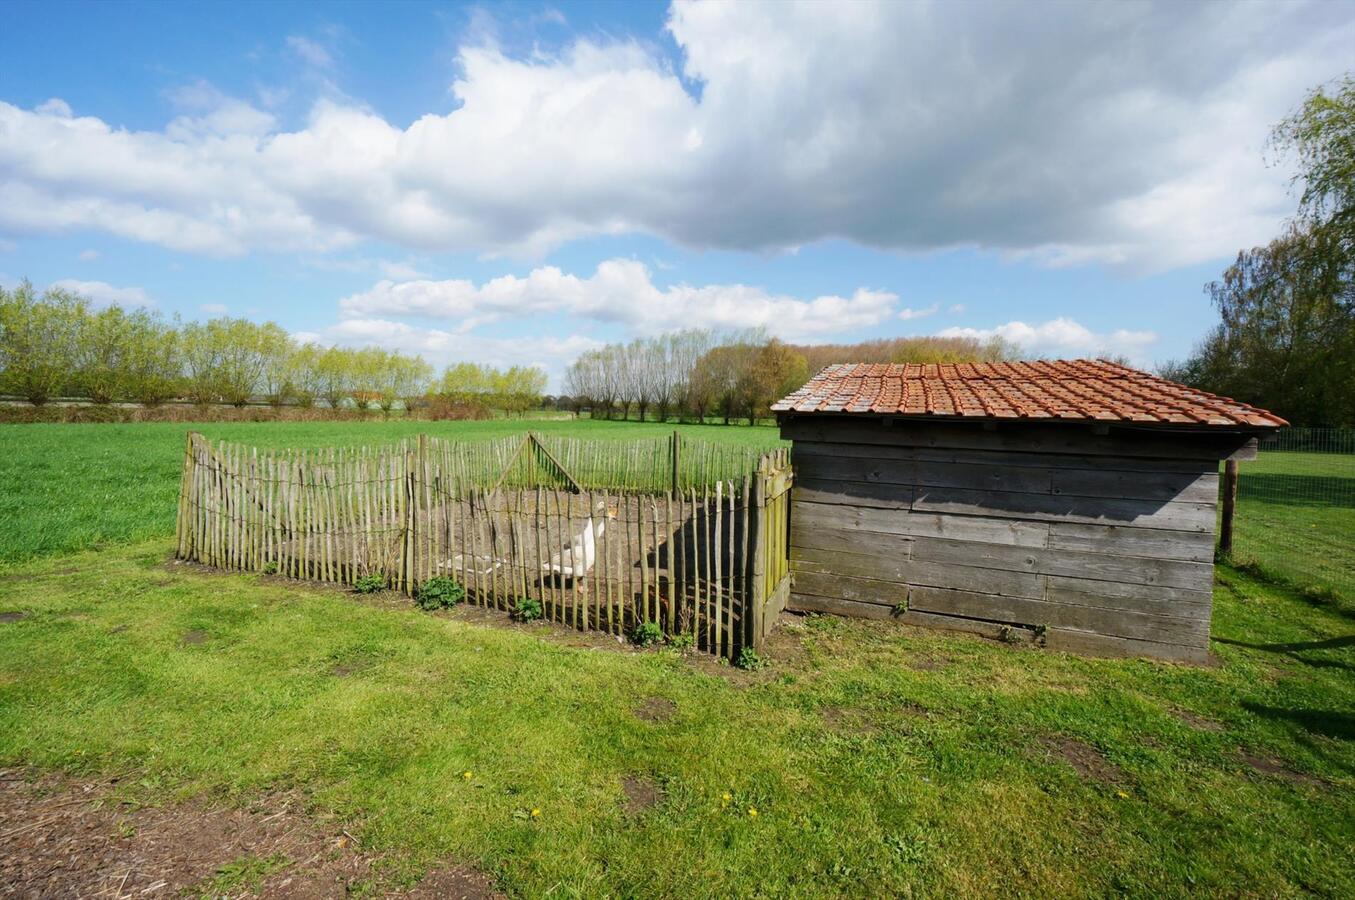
[{"x": 1091, "y": 542}]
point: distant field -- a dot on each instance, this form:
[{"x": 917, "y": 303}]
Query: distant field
[
  {"x": 65, "y": 488},
  {"x": 1296, "y": 518}
]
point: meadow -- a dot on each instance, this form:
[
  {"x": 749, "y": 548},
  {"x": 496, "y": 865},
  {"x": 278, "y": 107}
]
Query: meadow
[
  {"x": 869, "y": 760},
  {"x": 74, "y": 487},
  {"x": 1296, "y": 519}
]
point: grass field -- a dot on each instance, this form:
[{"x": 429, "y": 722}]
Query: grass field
[
  {"x": 1296, "y": 519},
  {"x": 880, "y": 760},
  {"x": 74, "y": 487}
]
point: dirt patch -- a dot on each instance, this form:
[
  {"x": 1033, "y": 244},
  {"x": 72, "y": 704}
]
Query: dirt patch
[
  {"x": 1085, "y": 759},
  {"x": 1277, "y": 769},
  {"x": 641, "y": 794},
  {"x": 929, "y": 663},
  {"x": 655, "y": 709},
  {"x": 12, "y": 616},
  {"x": 62, "y": 838},
  {"x": 195, "y": 637},
  {"x": 351, "y": 666},
  {"x": 1197, "y": 721},
  {"x": 848, "y": 721}
]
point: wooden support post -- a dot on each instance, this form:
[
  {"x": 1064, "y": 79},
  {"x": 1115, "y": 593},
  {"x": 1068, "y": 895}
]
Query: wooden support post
[{"x": 1229, "y": 506}]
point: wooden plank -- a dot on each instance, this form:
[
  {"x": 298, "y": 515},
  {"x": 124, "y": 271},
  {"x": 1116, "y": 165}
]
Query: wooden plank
[
  {"x": 996, "y": 631},
  {"x": 918, "y": 524},
  {"x": 1051, "y": 437},
  {"x": 992, "y": 476},
  {"x": 806, "y": 536},
  {"x": 807, "y": 452},
  {"x": 862, "y": 590},
  {"x": 903, "y": 571},
  {"x": 1033, "y": 612},
  {"x": 853, "y": 493},
  {"x": 1095, "y": 566},
  {"x": 802, "y": 602},
  {"x": 1122, "y": 540},
  {"x": 1148, "y": 598},
  {"x": 1162, "y": 486},
  {"x": 1087, "y": 510}
]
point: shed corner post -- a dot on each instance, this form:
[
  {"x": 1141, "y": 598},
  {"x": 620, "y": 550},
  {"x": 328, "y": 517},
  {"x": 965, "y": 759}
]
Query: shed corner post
[{"x": 1229, "y": 507}]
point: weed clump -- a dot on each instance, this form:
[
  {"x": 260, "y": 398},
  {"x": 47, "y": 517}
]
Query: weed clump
[
  {"x": 370, "y": 584},
  {"x": 527, "y": 610},
  {"x": 439, "y": 592},
  {"x": 646, "y": 634}
]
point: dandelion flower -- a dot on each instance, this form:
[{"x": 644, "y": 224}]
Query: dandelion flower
[
  {"x": 752, "y": 812},
  {"x": 466, "y": 775},
  {"x": 1121, "y": 794},
  {"x": 536, "y": 813}
]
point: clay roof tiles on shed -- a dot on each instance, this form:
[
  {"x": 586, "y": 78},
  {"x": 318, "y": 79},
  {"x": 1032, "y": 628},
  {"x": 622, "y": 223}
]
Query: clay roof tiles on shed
[{"x": 1072, "y": 390}]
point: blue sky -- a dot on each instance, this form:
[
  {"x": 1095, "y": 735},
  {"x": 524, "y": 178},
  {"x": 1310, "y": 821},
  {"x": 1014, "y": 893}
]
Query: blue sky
[{"x": 516, "y": 183}]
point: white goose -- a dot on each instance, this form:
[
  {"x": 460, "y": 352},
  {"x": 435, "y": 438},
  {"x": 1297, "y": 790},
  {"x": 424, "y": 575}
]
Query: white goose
[{"x": 577, "y": 559}]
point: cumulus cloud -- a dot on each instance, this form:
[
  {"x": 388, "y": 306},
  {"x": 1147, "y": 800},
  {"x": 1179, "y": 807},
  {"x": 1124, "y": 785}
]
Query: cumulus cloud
[
  {"x": 1064, "y": 337},
  {"x": 1071, "y": 133},
  {"x": 311, "y": 52},
  {"x": 622, "y": 291},
  {"x": 908, "y": 314},
  {"x": 101, "y": 293}
]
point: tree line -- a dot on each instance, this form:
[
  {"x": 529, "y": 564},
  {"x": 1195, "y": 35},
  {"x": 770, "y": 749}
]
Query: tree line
[
  {"x": 1285, "y": 339},
  {"x": 58, "y": 345},
  {"x": 697, "y": 374}
]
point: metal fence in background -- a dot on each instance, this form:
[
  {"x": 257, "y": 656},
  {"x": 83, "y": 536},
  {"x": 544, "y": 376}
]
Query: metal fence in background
[{"x": 1295, "y": 513}]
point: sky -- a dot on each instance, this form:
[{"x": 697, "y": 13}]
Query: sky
[{"x": 518, "y": 183}]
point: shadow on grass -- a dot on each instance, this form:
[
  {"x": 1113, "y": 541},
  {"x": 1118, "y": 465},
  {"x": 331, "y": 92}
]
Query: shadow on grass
[
  {"x": 1293, "y": 650},
  {"x": 1297, "y": 490},
  {"x": 1327, "y": 723}
]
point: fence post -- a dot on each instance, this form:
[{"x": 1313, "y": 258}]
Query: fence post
[
  {"x": 677, "y": 461},
  {"x": 185, "y": 481},
  {"x": 1229, "y": 507},
  {"x": 757, "y": 597}
]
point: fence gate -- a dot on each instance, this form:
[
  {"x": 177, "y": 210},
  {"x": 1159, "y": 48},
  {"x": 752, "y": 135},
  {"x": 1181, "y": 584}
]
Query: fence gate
[{"x": 604, "y": 537}]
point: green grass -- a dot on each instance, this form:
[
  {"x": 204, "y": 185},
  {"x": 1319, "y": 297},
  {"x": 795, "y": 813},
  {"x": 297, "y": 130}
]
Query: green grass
[
  {"x": 1296, "y": 519},
  {"x": 75, "y": 487},
  {"x": 871, "y": 775}
]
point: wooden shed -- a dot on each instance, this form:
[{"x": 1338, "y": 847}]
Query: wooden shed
[{"x": 1071, "y": 503}]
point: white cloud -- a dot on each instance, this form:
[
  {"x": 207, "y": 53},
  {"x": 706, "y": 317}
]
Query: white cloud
[
  {"x": 621, "y": 290},
  {"x": 1069, "y": 133},
  {"x": 88, "y": 255},
  {"x": 214, "y": 309},
  {"x": 908, "y": 314},
  {"x": 956, "y": 309},
  {"x": 1064, "y": 337},
  {"x": 101, "y": 293},
  {"x": 311, "y": 52}
]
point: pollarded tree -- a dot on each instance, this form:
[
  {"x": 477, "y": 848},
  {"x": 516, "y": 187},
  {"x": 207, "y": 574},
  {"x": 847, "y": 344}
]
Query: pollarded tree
[
  {"x": 154, "y": 366},
  {"x": 335, "y": 376},
  {"x": 39, "y": 341}
]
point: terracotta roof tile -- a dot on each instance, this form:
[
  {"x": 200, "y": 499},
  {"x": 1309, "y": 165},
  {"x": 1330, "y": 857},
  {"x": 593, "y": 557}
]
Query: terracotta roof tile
[{"x": 1076, "y": 390}]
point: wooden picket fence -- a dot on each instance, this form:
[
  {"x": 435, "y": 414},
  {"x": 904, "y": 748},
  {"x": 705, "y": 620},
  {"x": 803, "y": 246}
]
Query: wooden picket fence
[{"x": 605, "y": 535}]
